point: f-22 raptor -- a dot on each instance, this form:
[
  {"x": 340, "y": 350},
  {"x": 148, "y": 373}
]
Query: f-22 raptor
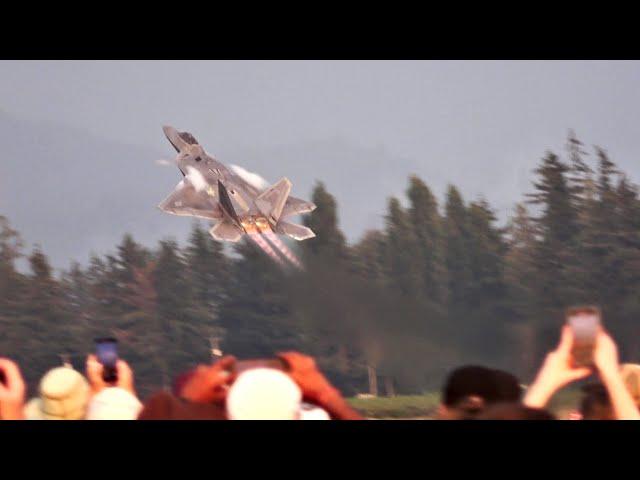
[{"x": 212, "y": 191}]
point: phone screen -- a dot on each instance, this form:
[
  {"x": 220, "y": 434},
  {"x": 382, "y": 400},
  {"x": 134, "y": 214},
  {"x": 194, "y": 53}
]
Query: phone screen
[
  {"x": 107, "y": 353},
  {"x": 585, "y": 328}
]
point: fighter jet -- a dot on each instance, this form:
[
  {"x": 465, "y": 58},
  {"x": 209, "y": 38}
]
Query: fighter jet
[{"x": 212, "y": 191}]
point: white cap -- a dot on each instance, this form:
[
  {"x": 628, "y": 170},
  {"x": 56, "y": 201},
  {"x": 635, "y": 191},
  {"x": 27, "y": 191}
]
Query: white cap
[
  {"x": 313, "y": 412},
  {"x": 264, "y": 394},
  {"x": 114, "y": 403}
]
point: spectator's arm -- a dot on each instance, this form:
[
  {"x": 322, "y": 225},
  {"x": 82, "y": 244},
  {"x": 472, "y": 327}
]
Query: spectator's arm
[
  {"x": 316, "y": 388},
  {"x": 606, "y": 359},
  {"x": 12, "y": 391},
  {"x": 556, "y": 372},
  {"x": 337, "y": 407},
  {"x": 210, "y": 383}
]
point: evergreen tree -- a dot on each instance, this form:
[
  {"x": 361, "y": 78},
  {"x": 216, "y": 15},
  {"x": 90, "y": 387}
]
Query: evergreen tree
[
  {"x": 255, "y": 313},
  {"x": 599, "y": 239},
  {"x": 42, "y": 324},
  {"x": 208, "y": 274},
  {"x": 580, "y": 176},
  {"x": 557, "y": 227},
  {"x": 183, "y": 344},
  {"x": 458, "y": 261},
  {"x": 369, "y": 256},
  {"x": 428, "y": 230},
  {"x": 520, "y": 279},
  {"x": 403, "y": 253},
  {"x": 486, "y": 294},
  {"x": 11, "y": 282},
  {"x": 329, "y": 244}
]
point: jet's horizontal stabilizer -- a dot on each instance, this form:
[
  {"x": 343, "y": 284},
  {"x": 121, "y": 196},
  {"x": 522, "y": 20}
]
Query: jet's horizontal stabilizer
[
  {"x": 297, "y": 232},
  {"x": 187, "y": 201},
  {"x": 272, "y": 200},
  {"x": 226, "y": 231},
  {"x": 295, "y": 206}
]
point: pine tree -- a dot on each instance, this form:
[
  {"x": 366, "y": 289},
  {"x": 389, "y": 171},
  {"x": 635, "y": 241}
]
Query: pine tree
[
  {"x": 458, "y": 261},
  {"x": 42, "y": 325},
  {"x": 329, "y": 244},
  {"x": 487, "y": 253},
  {"x": 558, "y": 229},
  {"x": 208, "y": 274},
  {"x": 12, "y": 292},
  {"x": 403, "y": 255},
  {"x": 182, "y": 343},
  {"x": 255, "y": 313},
  {"x": 599, "y": 239},
  {"x": 11, "y": 281},
  {"x": 369, "y": 256},
  {"x": 580, "y": 178},
  {"x": 520, "y": 279},
  {"x": 428, "y": 230}
]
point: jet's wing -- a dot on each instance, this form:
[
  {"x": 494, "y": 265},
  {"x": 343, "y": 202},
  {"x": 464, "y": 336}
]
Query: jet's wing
[
  {"x": 272, "y": 200},
  {"x": 295, "y": 206},
  {"x": 297, "y": 232},
  {"x": 225, "y": 231},
  {"x": 185, "y": 200}
]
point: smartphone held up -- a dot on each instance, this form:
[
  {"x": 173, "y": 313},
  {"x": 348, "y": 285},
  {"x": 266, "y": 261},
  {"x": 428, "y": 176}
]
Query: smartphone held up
[
  {"x": 585, "y": 323},
  {"x": 107, "y": 354}
]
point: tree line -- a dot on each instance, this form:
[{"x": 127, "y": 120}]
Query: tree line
[{"x": 438, "y": 286}]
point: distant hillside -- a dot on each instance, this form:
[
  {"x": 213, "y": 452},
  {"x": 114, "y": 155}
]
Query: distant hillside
[{"x": 74, "y": 193}]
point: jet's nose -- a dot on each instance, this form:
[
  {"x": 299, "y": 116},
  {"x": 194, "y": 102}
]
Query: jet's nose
[
  {"x": 174, "y": 137},
  {"x": 169, "y": 131}
]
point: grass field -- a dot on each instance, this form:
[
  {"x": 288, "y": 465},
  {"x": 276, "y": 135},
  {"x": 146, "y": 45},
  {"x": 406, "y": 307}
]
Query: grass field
[
  {"x": 425, "y": 406},
  {"x": 401, "y": 406}
]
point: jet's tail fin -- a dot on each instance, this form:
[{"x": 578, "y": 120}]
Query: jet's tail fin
[
  {"x": 297, "y": 232},
  {"x": 272, "y": 200},
  {"x": 226, "y": 231}
]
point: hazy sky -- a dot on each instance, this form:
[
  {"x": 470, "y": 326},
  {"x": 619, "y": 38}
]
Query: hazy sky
[
  {"x": 426, "y": 110},
  {"x": 472, "y": 118}
]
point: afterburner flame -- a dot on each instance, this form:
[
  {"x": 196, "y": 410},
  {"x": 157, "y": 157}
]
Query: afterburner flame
[
  {"x": 280, "y": 245},
  {"x": 265, "y": 247}
]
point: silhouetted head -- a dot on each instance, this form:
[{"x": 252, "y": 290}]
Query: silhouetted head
[
  {"x": 514, "y": 411},
  {"x": 469, "y": 390},
  {"x": 595, "y": 403}
]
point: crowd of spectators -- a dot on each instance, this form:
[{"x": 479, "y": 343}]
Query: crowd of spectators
[{"x": 291, "y": 387}]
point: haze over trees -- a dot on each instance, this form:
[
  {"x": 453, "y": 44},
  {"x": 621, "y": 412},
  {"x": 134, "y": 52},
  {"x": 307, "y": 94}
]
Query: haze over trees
[{"x": 440, "y": 285}]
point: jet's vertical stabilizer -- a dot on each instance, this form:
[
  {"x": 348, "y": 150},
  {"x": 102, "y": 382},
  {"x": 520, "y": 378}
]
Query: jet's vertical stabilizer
[{"x": 272, "y": 200}]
